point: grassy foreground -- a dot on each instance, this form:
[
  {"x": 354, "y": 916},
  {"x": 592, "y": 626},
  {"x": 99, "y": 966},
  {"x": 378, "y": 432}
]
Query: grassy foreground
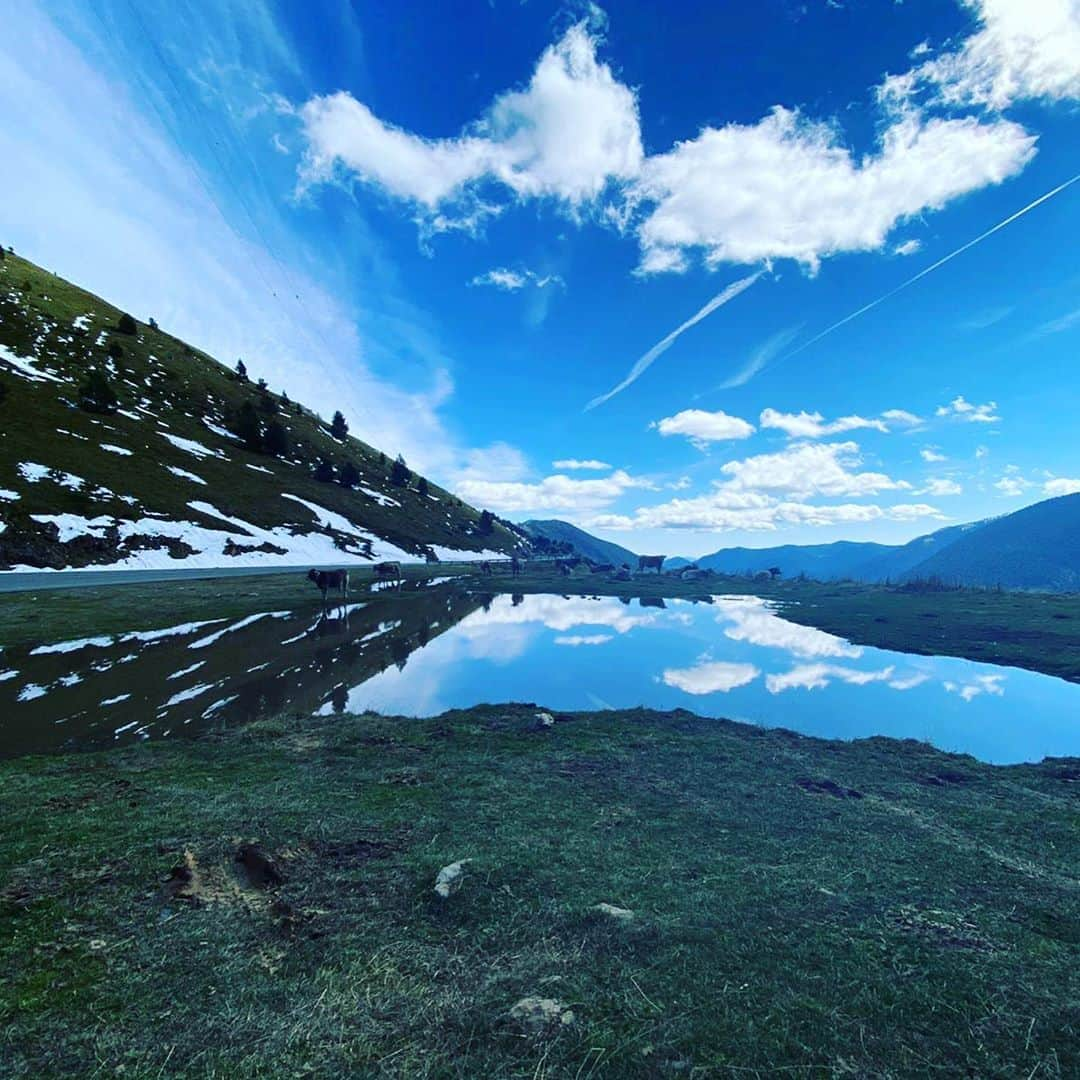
[{"x": 875, "y": 908}]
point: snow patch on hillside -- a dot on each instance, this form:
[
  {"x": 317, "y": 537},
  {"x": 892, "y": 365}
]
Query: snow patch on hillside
[
  {"x": 190, "y": 446},
  {"x": 24, "y": 366}
]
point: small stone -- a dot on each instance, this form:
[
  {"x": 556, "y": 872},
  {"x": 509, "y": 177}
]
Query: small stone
[
  {"x": 450, "y": 878},
  {"x": 539, "y": 1014},
  {"x": 620, "y": 913}
]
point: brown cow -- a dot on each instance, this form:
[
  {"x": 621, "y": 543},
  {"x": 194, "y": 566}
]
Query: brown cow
[
  {"x": 388, "y": 570},
  {"x": 647, "y": 562},
  {"x": 330, "y": 579}
]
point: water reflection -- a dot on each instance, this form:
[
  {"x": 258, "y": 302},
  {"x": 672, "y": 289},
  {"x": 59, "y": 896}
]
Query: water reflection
[{"x": 436, "y": 648}]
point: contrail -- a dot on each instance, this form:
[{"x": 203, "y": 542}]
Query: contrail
[
  {"x": 941, "y": 262},
  {"x": 646, "y": 360}
]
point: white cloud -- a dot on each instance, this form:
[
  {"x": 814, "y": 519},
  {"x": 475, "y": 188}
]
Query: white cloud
[
  {"x": 901, "y": 416},
  {"x": 941, "y": 486},
  {"x": 571, "y": 131},
  {"x": 1013, "y": 484},
  {"x": 981, "y": 452},
  {"x": 787, "y": 188},
  {"x": 575, "y": 463},
  {"x": 1062, "y": 485},
  {"x": 752, "y": 620},
  {"x": 809, "y": 469},
  {"x": 980, "y": 684},
  {"x": 929, "y": 454},
  {"x": 558, "y": 492},
  {"x": 720, "y": 512},
  {"x": 1024, "y": 50},
  {"x": 760, "y": 358},
  {"x": 818, "y": 676},
  {"x": 512, "y": 280},
  {"x": 711, "y": 677},
  {"x": 575, "y": 640},
  {"x": 908, "y": 247},
  {"x": 702, "y": 427},
  {"x": 804, "y": 425},
  {"x": 960, "y": 409}
]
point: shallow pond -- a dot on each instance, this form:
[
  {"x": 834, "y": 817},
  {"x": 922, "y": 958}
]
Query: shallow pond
[{"x": 422, "y": 654}]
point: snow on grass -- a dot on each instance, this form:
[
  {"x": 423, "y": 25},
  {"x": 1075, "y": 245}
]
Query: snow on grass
[
  {"x": 10, "y": 674},
  {"x": 81, "y": 322},
  {"x": 114, "y": 700},
  {"x": 185, "y": 475},
  {"x": 217, "y": 429},
  {"x": 188, "y": 694},
  {"x": 24, "y": 366},
  {"x": 73, "y": 434},
  {"x": 186, "y": 671},
  {"x": 446, "y": 554},
  {"x": 70, "y": 526},
  {"x": 32, "y": 472},
  {"x": 202, "y": 643},
  {"x": 72, "y": 646},
  {"x": 32, "y": 691},
  {"x": 219, "y": 704},
  {"x": 147, "y": 636},
  {"x": 330, "y": 519},
  {"x": 124, "y": 412},
  {"x": 378, "y": 496},
  {"x": 9, "y": 496},
  {"x": 117, "y": 449},
  {"x": 190, "y": 446},
  {"x": 259, "y": 468}
]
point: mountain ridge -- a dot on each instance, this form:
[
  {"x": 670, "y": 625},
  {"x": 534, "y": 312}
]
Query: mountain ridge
[{"x": 122, "y": 446}]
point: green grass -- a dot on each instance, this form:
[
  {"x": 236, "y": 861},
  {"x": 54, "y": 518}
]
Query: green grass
[
  {"x": 179, "y": 385},
  {"x": 781, "y": 925}
]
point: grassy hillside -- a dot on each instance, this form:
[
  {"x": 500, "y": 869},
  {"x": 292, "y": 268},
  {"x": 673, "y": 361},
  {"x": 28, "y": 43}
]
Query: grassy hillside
[
  {"x": 819, "y": 561},
  {"x": 1035, "y": 548},
  {"x": 165, "y": 477},
  {"x": 262, "y": 904},
  {"x": 583, "y": 543}
]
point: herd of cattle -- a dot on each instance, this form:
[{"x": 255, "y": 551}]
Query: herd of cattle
[{"x": 337, "y": 581}]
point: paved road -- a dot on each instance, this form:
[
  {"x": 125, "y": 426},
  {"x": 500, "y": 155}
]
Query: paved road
[{"x": 80, "y": 579}]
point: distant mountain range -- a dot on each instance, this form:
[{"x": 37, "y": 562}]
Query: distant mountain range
[
  {"x": 580, "y": 542},
  {"x": 1034, "y": 548},
  {"x": 121, "y": 445}
]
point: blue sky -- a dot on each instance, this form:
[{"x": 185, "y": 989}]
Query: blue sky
[{"x": 465, "y": 224}]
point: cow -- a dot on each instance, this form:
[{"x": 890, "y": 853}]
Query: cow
[
  {"x": 385, "y": 570},
  {"x": 601, "y": 567},
  {"x": 650, "y": 562},
  {"x": 330, "y": 579},
  {"x": 516, "y": 566}
]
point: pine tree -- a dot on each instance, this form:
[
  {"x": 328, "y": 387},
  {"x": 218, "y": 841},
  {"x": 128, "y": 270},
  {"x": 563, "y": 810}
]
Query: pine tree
[
  {"x": 126, "y": 324},
  {"x": 276, "y": 440},
  {"x": 338, "y": 428},
  {"x": 96, "y": 395},
  {"x": 115, "y": 350},
  {"x": 349, "y": 475},
  {"x": 248, "y": 428},
  {"x": 324, "y": 471},
  {"x": 487, "y": 522},
  {"x": 422, "y": 487},
  {"x": 399, "y": 473},
  {"x": 241, "y": 371}
]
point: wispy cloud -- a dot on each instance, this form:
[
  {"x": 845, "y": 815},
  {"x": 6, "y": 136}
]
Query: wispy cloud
[
  {"x": 512, "y": 280},
  {"x": 962, "y": 409},
  {"x": 647, "y": 359},
  {"x": 1060, "y": 325},
  {"x": 576, "y": 463},
  {"x": 934, "y": 266},
  {"x": 760, "y": 358}
]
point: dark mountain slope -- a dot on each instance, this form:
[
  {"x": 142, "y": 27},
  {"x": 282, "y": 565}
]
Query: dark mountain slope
[
  {"x": 583, "y": 543},
  {"x": 1035, "y": 548}
]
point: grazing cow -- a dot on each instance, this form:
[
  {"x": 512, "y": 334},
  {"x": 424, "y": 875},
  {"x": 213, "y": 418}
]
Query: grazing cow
[
  {"x": 330, "y": 579},
  {"x": 601, "y": 567},
  {"x": 516, "y": 566},
  {"x": 388, "y": 570},
  {"x": 650, "y": 562}
]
